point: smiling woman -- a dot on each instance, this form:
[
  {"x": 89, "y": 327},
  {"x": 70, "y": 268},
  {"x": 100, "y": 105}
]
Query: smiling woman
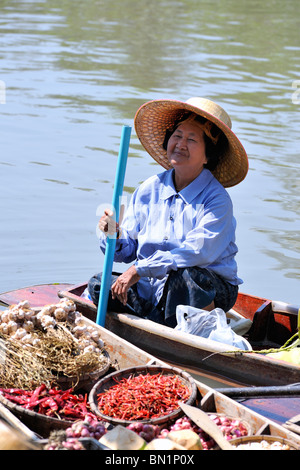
[{"x": 191, "y": 259}]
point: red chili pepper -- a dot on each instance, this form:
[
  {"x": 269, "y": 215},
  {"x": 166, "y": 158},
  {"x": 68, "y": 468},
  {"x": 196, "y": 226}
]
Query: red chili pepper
[
  {"x": 71, "y": 413},
  {"x": 35, "y": 397},
  {"x": 15, "y": 391},
  {"x": 48, "y": 406},
  {"x": 19, "y": 400}
]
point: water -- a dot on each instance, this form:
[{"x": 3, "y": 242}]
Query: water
[{"x": 73, "y": 73}]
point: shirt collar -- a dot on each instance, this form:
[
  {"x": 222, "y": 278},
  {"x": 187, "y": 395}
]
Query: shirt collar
[
  {"x": 189, "y": 192},
  {"x": 168, "y": 189}
]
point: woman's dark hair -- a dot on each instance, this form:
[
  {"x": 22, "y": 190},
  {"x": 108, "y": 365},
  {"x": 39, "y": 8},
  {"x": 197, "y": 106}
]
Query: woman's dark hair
[{"x": 213, "y": 151}]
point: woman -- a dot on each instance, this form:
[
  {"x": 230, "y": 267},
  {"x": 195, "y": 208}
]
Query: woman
[{"x": 179, "y": 229}]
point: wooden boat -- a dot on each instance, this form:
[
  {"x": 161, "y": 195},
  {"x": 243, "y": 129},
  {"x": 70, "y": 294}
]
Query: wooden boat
[
  {"x": 273, "y": 323},
  {"x": 124, "y": 354}
]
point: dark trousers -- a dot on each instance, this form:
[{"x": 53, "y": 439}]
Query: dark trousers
[{"x": 197, "y": 287}]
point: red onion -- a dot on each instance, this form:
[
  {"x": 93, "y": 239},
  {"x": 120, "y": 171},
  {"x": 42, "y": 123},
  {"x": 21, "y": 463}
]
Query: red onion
[{"x": 146, "y": 431}]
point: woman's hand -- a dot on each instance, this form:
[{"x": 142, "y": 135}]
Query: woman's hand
[
  {"x": 107, "y": 224},
  {"x": 121, "y": 285}
]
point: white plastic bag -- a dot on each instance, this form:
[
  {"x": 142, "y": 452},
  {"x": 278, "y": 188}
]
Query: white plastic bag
[{"x": 212, "y": 325}]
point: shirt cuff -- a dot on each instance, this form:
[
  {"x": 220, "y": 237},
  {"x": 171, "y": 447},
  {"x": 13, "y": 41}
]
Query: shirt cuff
[
  {"x": 156, "y": 268},
  {"x": 142, "y": 268}
]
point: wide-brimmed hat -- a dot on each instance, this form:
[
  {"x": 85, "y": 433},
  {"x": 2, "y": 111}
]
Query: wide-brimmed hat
[{"x": 155, "y": 118}]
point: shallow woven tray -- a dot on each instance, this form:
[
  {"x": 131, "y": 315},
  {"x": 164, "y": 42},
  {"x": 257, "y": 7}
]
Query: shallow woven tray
[
  {"x": 269, "y": 439},
  {"x": 110, "y": 380}
]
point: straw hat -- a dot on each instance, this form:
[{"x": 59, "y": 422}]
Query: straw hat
[{"x": 154, "y": 118}]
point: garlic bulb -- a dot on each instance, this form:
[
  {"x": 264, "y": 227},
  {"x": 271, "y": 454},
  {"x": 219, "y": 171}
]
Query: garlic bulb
[
  {"x": 79, "y": 330},
  {"x": 13, "y": 315},
  {"x": 21, "y": 314},
  {"x": 28, "y": 326},
  {"x": 60, "y": 314},
  {"x": 19, "y": 334},
  {"x": 4, "y": 328},
  {"x": 68, "y": 305},
  {"x": 47, "y": 321},
  {"x": 29, "y": 314},
  {"x": 24, "y": 304},
  {"x": 5, "y": 317},
  {"x": 27, "y": 339},
  {"x": 12, "y": 326}
]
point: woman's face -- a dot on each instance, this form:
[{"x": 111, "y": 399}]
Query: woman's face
[{"x": 186, "y": 148}]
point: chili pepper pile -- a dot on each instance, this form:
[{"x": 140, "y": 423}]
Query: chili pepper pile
[
  {"x": 61, "y": 404},
  {"x": 143, "y": 397}
]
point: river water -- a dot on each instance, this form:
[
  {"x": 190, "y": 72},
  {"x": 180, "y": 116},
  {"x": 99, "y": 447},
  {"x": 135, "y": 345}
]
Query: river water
[{"x": 74, "y": 72}]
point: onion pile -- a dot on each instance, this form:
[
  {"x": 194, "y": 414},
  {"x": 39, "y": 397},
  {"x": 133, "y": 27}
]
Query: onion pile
[
  {"x": 232, "y": 428},
  {"x": 147, "y": 431},
  {"x": 90, "y": 427},
  {"x": 69, "y": 439},
  {"x": 58, "y": 441}
]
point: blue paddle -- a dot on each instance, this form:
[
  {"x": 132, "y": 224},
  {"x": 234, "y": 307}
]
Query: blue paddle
[{"x": 111, "y": 240}]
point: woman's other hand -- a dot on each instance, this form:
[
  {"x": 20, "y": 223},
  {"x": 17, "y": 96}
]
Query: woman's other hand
[{"x": 121, "y": 285}]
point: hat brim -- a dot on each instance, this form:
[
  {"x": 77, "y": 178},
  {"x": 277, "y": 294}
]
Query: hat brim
[{"x": 154, "y": 118}]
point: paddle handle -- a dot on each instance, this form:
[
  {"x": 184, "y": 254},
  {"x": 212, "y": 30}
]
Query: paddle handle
[{"x": 111, "y": 240}]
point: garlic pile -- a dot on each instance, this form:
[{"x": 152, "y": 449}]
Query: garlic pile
[{"x": 20, "y": 322}]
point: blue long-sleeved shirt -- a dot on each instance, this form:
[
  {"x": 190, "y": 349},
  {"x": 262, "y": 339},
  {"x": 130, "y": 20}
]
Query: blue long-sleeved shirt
[{"x": 164, "y": 230}]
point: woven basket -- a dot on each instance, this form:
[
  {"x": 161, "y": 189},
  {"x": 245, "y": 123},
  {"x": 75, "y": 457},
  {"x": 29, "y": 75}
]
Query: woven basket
[
  {"x": 110, "y": 380},
  {"x": 87, "y": 442},
  {"x": 259, "y": 439},
  {"x": 86, "y": 381},
  {"x": 40, "y": 424}
]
